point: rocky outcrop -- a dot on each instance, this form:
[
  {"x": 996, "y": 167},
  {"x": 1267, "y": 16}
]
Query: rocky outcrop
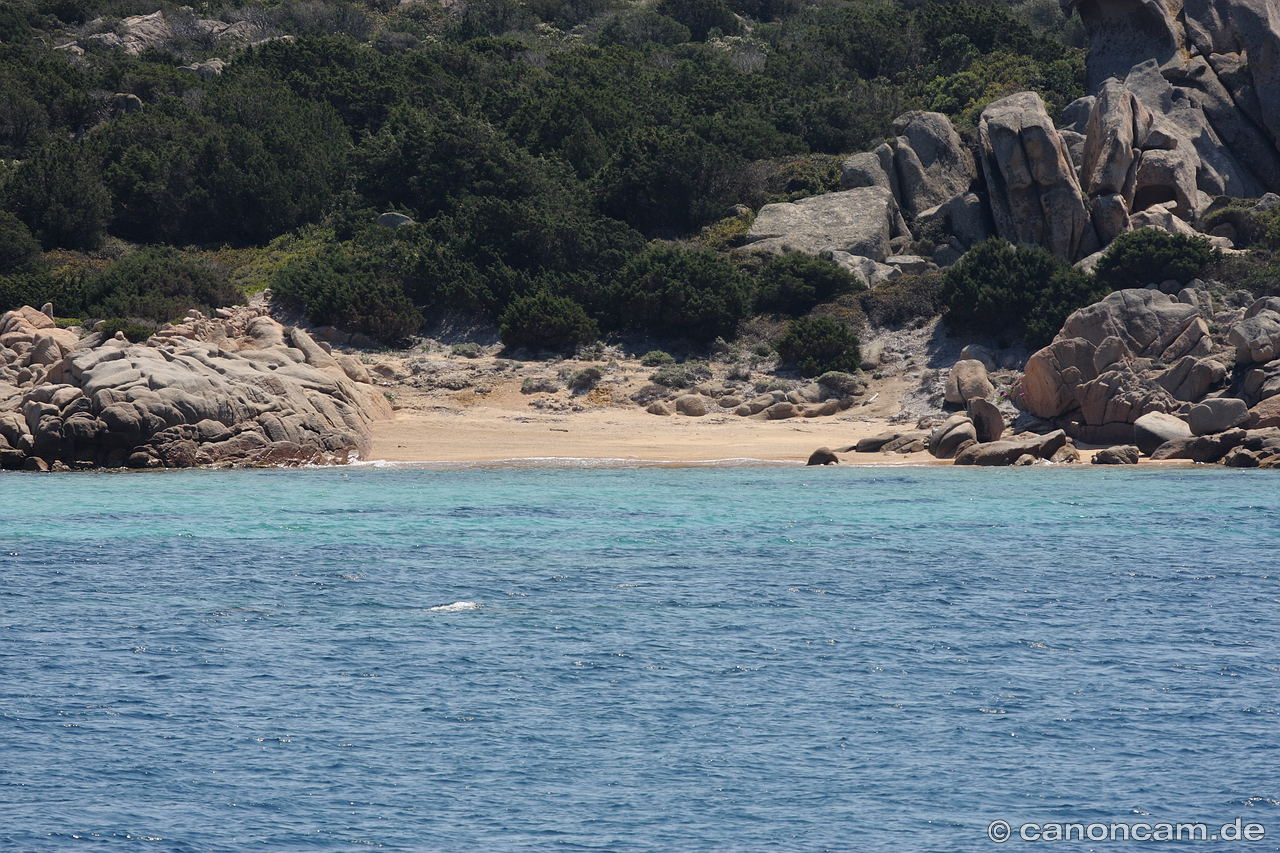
[
  {"x": 1035, "y": 194},
  {"x": 933, "y": 166},
  {"x": 1010, "y": 451},
  {"x": 1210, "y": 69},
  {"x": 161, "y": 31},
  {"x": 968, "y": 380},
  {"x": 1156, "y": 428},
  {"x": 235, "y": 389},
  {"x": 1124, "y": 454},
  {"x": 860, "y": 222},
  {"x": 1098, "y": 374}
]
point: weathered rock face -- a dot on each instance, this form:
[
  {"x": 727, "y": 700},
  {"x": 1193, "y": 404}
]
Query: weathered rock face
[
  {"x": 1148, "y": 324},
  {"x": 1125, "y": 454},
  {"x": 860, "y": 222},
  {"x": 1154, "y": 429},
  {"x": 155, "y": 31},
  {"x": 1211, "y": 68},
  {"x": 968, "y": 380},
  {"x": 932, "y": 163},
  {"x": 946, "y": 439},
  {"x": 1034, "y": 191},
  {"x": 1093, "y": 372},
  {"x": 1010, "y": 451},
  {"x": 226, "y": 390}
]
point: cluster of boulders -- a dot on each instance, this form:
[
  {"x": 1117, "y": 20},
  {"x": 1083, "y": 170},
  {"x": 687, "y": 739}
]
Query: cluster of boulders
[
  {"x": 1184, "y": 112},
  {"x": 235, "y": 389},
  {"x": 830, "y": 393},
  {"x": 1142, "y": 365},
  {"x": 159, "y": 30}
]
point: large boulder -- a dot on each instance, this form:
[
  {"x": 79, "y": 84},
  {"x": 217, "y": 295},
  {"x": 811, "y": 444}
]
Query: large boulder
[
  {"x": 988, "y": 421},
  {"x": 1149, "y": 323},
  {"x": 968, "y": 380},
  {"x": 1124, "y": 454},
  {"x": 1217, "y": 415},
  {"x": 946, "y": 438},
  {"x": 1009, "y": 451},
  {"x": 1035, "y": 194},
  {"x": 1155, "y": 428},
  {"x": 859, "y": 221},
  {"x": 967, "y": 217},
  {"x": 1052, "y": 375},
  {"x": 1257, "y": 337},
  {"x": 932, "y": 163}
]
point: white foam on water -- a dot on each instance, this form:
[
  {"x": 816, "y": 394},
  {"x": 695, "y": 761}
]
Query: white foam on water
[{"x": 456, "y": 607}]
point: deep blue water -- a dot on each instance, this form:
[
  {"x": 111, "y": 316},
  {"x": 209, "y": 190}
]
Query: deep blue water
[{"x": 736, "y": 659}]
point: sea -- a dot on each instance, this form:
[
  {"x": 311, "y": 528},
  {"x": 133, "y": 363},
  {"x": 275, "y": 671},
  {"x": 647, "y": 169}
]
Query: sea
[{"x": 600, "y": 656}]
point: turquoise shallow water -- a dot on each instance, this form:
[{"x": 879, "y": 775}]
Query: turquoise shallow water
[{"x": 730, "y": 659}]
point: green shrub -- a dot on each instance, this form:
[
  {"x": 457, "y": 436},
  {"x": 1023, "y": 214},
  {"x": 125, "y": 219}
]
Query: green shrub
[
  {"x": 585, "y": 379},
  {"x": 1152, "y": 255},
  {"x": 18, "y": 249},
  {"x": 841, "y": 383},
  {"x": 680, "y": 291},
  {"x": 546, "y": 320},
  {"x": 818, "y": 345},
  {"x": 908, "y": 298},
  {"x": 341, "y": 287},
  {"x": 1247, "y": 227},
  {"x": 159, "y": 284},
  {"x": 794, "y": 282},
  {"x": 680, "y": 375},
  {"x": 133, "y": 330},
  {"x": 996, "y": 287},
  {"x": 657, "y": 358},
  {"x": 467, "y": 350}
]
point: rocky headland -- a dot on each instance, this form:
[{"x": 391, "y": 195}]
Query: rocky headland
[{"x": 235, "y": 389}]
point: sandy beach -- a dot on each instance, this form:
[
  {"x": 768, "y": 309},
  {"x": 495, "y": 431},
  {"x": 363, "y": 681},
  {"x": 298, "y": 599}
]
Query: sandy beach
[
  {"x": 493, "y": 420},
  {"x": 489, "y": 434}
]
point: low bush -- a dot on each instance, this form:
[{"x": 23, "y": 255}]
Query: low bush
[
  {"x": 468, "y": 350},
  {"x": 903, "y": 300},
  {"x": 679, "y": 291},
  {"x": 546, "y": 320},
  {"x": 585, "y": 379},
  {"x": 680, "y": 375},
  {"x": 133, "y": 330},
  {"x": 996, "y": 287},
  {"x": 818, "y": 345},
  {"x": 794, "y": 282},
  {"x": 539, "y": 385},
  {"x": 1151, "y": 255},
  {"x": 657, "y": 358},
  {"x": 159, "y": 284},
  {"x": 841, "y": 383}
]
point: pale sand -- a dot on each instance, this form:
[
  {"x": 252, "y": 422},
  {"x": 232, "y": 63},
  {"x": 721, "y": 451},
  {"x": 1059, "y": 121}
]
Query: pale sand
[
  {"x": 442, "y": 426},
  {"x": 437, "y": 425},
  {"x": 487, "y": 434}
]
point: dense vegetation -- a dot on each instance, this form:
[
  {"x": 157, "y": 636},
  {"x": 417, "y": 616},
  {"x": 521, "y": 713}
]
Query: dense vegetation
[
  {"x": 568, "y": 168},
  {"x": 540, "y": 147}
]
